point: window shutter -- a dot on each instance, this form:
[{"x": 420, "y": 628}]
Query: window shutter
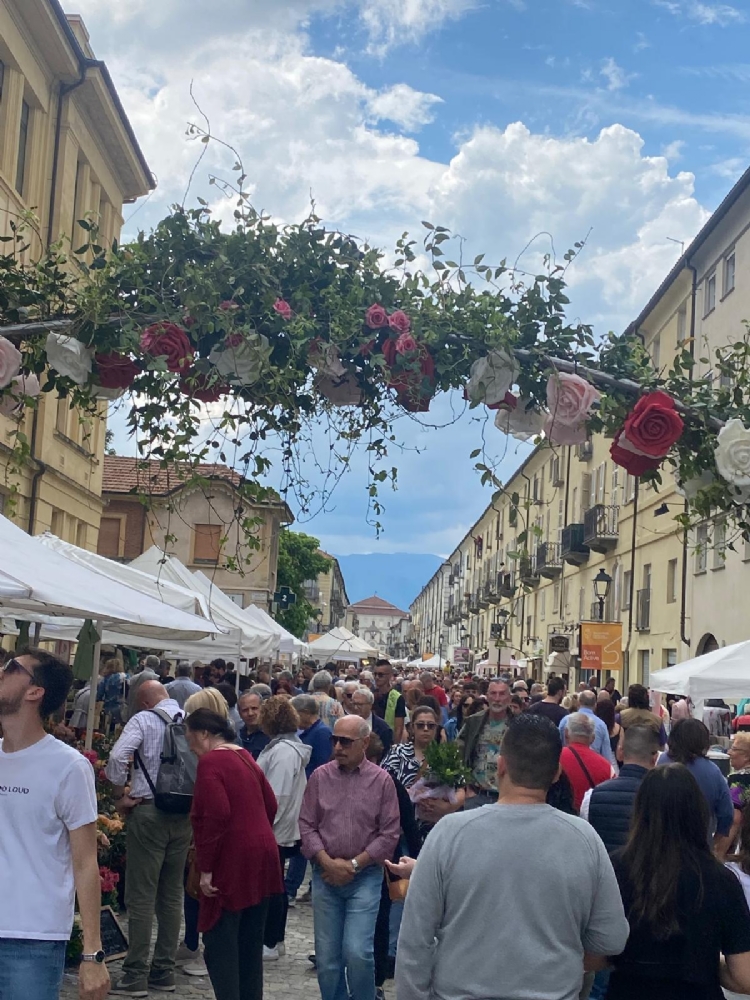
[
  {"x": 615, "y": 487},
  {"x": 585, "y": 492},
  {"x": 109, "y": 537},
  {"x": 207, "y": 543}
]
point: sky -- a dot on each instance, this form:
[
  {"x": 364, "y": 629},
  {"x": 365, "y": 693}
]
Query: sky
[{"x": 621, "y": 122}]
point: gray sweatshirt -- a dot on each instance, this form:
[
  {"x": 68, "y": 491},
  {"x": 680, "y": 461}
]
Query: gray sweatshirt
[
  {"x": 502, "y": 904},
  {"x": 283, "y": 762}
]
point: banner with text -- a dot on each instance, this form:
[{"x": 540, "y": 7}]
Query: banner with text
[{"x": 601, "y": 646}]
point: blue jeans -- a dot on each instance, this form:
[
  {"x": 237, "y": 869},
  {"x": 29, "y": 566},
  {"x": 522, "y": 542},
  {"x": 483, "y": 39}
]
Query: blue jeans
[
  {"x": 31, "y": 969},
  {"x": 295, "y": 874},
  {"x": 601, "y": 984},
  {"x": 345, "y": 917}
]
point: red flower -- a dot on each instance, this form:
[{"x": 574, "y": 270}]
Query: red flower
[
  {"x": 376, "y": 317},
  {"x": 367, "y": 349},
  {"x": 415, "y": 386},
  {"x": 102, "y": 775},
  {"x": 203, "y": 388},
  {"x": 91, "y": 756},
  {"x": 653, "y": 425},
  {"x": 389, "y": 352},
  {"x": 399, "y": 321},
  {"x": 636, "y": 465},
  {"x": 170, "y": 341},
  {"x": 228, "y": 305},
  {"x": 115, "y": 371},
  {"x": 406, "y": 343},
  {"x": 108, "y": 879},
  {"x": 283, "y": 309}
]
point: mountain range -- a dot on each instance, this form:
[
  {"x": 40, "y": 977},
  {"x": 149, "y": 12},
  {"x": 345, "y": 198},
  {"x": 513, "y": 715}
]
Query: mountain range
[{"x": 395, "y": 576}]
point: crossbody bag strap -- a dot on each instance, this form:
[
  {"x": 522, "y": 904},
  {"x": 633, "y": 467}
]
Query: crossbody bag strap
[
  {"x": 237, "y": 750},
  {"x": 138, "y": 760},
  {"x": 585, "y": 770}
]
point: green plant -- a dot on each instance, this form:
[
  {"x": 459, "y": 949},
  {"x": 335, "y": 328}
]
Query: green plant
[{"x": 445, "y": 765}]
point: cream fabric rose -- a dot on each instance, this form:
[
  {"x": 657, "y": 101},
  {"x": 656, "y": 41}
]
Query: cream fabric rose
[
  {"x": 522, "y": 423},
  {"x": 732, "y": 453},
  {"x": 343, "y": 391},
  {"x": 492, "y": 377},
  {"x": 569, "y": 400},
  {"x": 10, "y": 362},
  {"x": 12, "y": 400},
  {"x": 69, "y": 357},
  {"x": 325, "y": 357},
  {"x": 691, "y": 487},
  {"x": 244, "y": 362}
]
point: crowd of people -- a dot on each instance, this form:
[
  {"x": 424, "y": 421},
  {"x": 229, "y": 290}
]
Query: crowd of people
[{"x": 640, "y": 845}]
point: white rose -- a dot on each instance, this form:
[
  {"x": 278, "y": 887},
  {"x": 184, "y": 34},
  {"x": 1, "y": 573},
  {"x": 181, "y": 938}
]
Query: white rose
[
  {"x": 690, "y": 488},
  {"x": 732, "y": 453},
  {"x": 69, "y": 357},
  {"x": 12, "y": 401},
  {"x": 521, "y": 423},
  {"x": 492, "y": 377},
  {"x": 10, "y": 362},
  {"x": 244, "y": 362}
]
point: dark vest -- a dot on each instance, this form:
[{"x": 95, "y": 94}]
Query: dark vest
[{"x": 611, "y": 805}]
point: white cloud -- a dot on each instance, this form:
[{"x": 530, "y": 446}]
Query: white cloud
[
  {"x": 404, "y": 106},
  {"x": 721, "y": 14},
  {"x": 673, "y": 150},
  {"x": 615, "y": 75}
]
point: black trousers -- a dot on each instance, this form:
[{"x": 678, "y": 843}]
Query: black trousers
[
  {"x": 233, "y": 950},
  {"x": 278, "y": 906},
  {"x": 382, "y": 936}
]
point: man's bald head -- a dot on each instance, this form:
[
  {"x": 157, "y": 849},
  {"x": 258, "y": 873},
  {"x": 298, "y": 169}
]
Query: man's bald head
[{"x": 150, "y": 693}]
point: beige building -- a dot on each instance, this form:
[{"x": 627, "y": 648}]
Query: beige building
[
  {"x": 372, "y": 620},
  {"x": 327, "y": 594},
  {"x": 197, "y": 524},
  {"x": 67, "y": 151}
]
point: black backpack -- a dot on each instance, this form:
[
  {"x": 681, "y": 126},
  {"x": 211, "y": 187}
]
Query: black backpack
[{"x": 173, "y": 788}]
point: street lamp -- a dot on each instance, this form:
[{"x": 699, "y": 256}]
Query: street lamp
[
  {"x": 502, "y": 618},
  {"x": 602, "y": 583}
]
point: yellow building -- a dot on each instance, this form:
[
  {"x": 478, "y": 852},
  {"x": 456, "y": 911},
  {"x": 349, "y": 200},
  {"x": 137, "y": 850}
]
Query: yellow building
[
  {"x": 327, "y": 594},
  {"x": 67, "y": 151}
]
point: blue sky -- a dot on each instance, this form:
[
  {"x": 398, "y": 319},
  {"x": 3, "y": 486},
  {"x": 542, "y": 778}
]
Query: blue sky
[{"x": 627, "y": 121}]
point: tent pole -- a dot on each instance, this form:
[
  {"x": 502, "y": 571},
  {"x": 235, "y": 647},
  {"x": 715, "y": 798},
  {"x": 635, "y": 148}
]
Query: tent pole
[{"x": 94, "y": 685}]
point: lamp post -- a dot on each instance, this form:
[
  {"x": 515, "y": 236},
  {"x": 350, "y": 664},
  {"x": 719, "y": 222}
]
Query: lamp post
[
  {"x": 602, "y": 583},
  {"x": 502, "y": 619}
]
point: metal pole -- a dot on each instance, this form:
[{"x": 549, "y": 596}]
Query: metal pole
[{"x": 94, "y": 685}]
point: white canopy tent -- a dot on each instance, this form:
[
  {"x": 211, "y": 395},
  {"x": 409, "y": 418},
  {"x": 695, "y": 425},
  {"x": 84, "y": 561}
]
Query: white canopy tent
[
  {"x": 340, "y": 644},
  {"x": 723, "y": 673},
  {"x": 434, "y": 662}
]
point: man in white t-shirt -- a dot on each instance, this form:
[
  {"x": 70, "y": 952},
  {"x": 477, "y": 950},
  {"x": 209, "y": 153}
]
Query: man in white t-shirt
[{"x": 47, "y": 839}]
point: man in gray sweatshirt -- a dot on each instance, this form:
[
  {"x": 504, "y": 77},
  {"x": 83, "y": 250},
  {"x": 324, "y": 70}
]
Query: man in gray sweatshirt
[{"x": 478, "y": 922}]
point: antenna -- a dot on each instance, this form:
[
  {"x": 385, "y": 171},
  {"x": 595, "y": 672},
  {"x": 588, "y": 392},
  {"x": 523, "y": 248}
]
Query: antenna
[{"x": 681, "y": 242}]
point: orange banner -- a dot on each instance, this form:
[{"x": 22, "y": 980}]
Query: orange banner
[{"x": 601, "y": 645}]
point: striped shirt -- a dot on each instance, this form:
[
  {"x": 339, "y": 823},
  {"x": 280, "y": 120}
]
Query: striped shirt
[{"x": 144, "y": 733}]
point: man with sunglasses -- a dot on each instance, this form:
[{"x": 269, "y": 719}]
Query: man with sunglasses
[
  {"x": 389, "y": 704},
  {"x": 47, "y": 838},
  {"x": 349, "y": 824}
]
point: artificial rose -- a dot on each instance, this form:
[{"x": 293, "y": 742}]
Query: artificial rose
[
  {"x": 203, "y": 388},
  {"x": 69, "y": 357},
  {"x": 244, "y": 362},
  {"x": 367, "y": 349},
  {"x": 415, "y": 386},
  {"x": 341, "y": 391},
  {"x": 10, "y": 362},
  {"x": 324, "y": 356},
  {"x": 635, "y": 464},
  {"x": 652, "y": 426},
  {"x": 519, "y": 419},
  {"x": 405, "y": 343},
  {"x": 228, "y": 305},
  {"x": 115, "y": 370},
  {"x": 690, "y": 488},
  {"x": 283, "y": 309},
  {"x": 492, "y": 377},
  {"x": 732, "y": 453},
  {"x": 569, "y": 400},
  {"x": 13, "y": 399},
  {"x": 399, "y": 321},
  {"x": 376, "y": 317},
  {"x": 170, "y": 341}
]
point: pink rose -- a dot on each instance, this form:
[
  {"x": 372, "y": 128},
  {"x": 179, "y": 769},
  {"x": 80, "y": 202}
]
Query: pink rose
[
  {"x": 233, "y": 340},
  {"x": 405, "y": 343},
  {"x": 569, "y": 400},
  {"x": 399, "y": 321},
  {"x": 228, "y": 305},
  {"x": 376, "y": 317},
  {"x": 283, "y": 309},
  {"x": 13, "y": 399},
  {"x": 10, "y": 362}
]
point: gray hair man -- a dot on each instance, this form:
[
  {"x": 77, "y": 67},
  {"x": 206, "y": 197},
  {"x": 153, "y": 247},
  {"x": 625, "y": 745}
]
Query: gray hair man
[
  {"x": 252, "y": 737},
  {"x": 601, "y": 743},
  {"x": 347, "y": 690},
  {"x": 182, "y": 687},
  {"x": 329, "y": 709},
  {"x": 363, "y": 700},
  {"x": 480, "y": 739},
  {"x": 263, "y": 691},
  {"x": 582, "y": 766}
]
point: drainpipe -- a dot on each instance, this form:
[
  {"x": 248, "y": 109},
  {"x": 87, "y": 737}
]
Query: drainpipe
[
  {"x": 65, "y": 90},
  {"x": 41, "y": 468},
  {"x": 691, "y": 347}
]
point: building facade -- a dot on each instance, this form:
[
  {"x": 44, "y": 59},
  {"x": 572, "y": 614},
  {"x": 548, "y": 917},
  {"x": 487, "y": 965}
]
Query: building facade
[
  {"x": 373, "y": 619},
  {"x": 67, "y": 152},
  {"x": 327, "y": 594},
  {"x": 196, "y": 524}
]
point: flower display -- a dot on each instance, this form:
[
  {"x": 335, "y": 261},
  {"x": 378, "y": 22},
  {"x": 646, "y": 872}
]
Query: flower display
[
  {"x": 324, "y": 356},
  {"x": 283, "y": 309},
  {"x": 376, "y": 317},
  {"x": 399, "y": 321},
  {"x": 690, "y": 488},
  {"x": 69, "y": 357},
  {"x": 405, "y": 343},
  {"x": 632, "y": 462},
  {"x": 115, "y": 371},
  {"x": 732, "y": 453},
  {"x": 492, "y": 377},
  {"x": 21, "y": 388},
  {"x": 10, "y": 362},
  {"x": 342, "y": 391},
  {"x": 414, "y": 379},
  {"x": 109, "y": 879},
  {"x": 570, "y": 400},
  {"x": 244, "y": 362},
  {"x": 652, "y": 426},
  {"x": 203, "y": 388},
  {"x": 229, "y": 305},
  {"x": 521, "y": 420},
  {"x": 170, "y": 341}
]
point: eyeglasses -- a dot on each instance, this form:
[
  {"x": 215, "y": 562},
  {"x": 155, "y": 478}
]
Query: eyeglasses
[
  {"x": 425, "y": 725},
  {"x": 382, "y": 673},
  {"x": 14, "y": 667},
  {"x": 345, "y": 741}
]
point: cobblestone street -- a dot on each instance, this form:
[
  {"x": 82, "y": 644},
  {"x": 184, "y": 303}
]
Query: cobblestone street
[{"x": 292, "y": 976}]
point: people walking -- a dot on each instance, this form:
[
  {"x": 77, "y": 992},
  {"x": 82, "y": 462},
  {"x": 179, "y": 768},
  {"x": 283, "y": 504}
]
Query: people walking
[
  {"x": 252, "y": 737},
  {"x": 638, "y": 713},
  {"x": 363, "y": 701},
  {"x": 182, "y": 686},
  {"x": 587, "y": 704},
  {"x": 48, "y": 846},
  {"x": 405, "y": 760},
  {"x": 550, "y": 706},
  {"x": 349, "y": 824},
  {"x": 329, "y": 708},
  {"x": 480, "y": 739},
  {"x": 236, "y": 854},
  {"x": 157, "y": 844},
  {"x": 473, "y": 869},
  {"x": 389, "y": 704},
  {"x": 582, "y": 766}
]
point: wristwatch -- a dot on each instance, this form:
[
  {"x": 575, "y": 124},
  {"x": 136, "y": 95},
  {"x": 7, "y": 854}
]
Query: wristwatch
[
  {"x": 355, "y": 866},
  {"x": 95, "y": 956}
]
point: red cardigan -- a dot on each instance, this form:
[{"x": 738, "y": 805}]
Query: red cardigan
[{"x": 232, "y": 816}]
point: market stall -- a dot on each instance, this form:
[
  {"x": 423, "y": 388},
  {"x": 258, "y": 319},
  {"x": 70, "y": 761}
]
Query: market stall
[{"x": 340, "y": 644}]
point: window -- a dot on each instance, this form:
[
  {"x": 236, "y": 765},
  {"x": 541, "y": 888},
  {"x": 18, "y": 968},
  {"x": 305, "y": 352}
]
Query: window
[
  {"x": 543, "y": 605},
  {"x": 207, "y": 543},
  {"x": 556, "y": 594},
  {"x": 681, "y": 324},
  {"x": 234, "y": 598},
  {"x": 656, "y": 350},
  {"x": 2, "y": 78},
  {"x": 581, "y": 604},
  {"x": 644, "y": 665},
  {"x": 720, "y": 545},
  {"x": 585, "y": 492},
  {"x": 729, "y": 269},
  {"x": 629, "y": 487},
  {"x": 62, "y": 416},
  {"x": 701, "y": 547},
  {"x": 671, "y": 581},
  {"x": 627, "y": 579},
  {"x": 57, "y": 523},
  {"x": 81, "y": 534},
  {"x": 670, "y": 657},
  {"x": 23, "y": 141},
  {"x": 111, "y": 537},
  {"x": 709, "y": 295}
]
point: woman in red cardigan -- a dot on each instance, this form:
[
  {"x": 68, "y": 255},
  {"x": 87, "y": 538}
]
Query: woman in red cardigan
[{"x": 232, "y": 816}]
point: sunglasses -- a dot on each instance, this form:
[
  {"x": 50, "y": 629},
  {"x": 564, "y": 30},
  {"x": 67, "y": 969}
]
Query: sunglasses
[
  {"x": 425, "y": 725},
  {"x": 345, "y": 741},
  {"x": 14, "y": 667},
  {"x": 382, "y": 674}
]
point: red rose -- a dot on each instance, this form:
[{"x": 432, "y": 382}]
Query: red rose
[
  {"x": 367, "y": 349},
  {"x": 115, "y": 371},
  {"x": 389, "y": 352},
  {"x": 652, "y": 427},
  {"x": 636, "y": 465},
  {"x": 283, "y": 309},
  {"x": 203, "y": 389},
  {"x": 228, "y": 305},
  {"x": 167, "y": 340},
  {"x": 399, "y": 321},
  {"x": 406, "y": 343},
  {"x": 415, "y": 386},
  {"x": 376, "y": 317}
]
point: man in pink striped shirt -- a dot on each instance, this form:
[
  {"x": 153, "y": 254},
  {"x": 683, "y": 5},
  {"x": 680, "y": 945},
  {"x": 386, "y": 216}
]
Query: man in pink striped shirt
[{"x": 349, "y": 824}]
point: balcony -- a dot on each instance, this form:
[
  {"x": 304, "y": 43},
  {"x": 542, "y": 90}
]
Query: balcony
[
  {"x": 643, "y": 610},
  {"x": 506, "y": 584},
  {"x": 528, "y": 571},
  {"x": 491, "y": 594},
  {"x": 572, "y": 548},
  {"x": 463, "y": 613},
  {"x": 473, "y": 602},
  {"x": 483, "y": 596},
  {"x": 549, "y": 560},
  {"x": 600, "y": 527}
]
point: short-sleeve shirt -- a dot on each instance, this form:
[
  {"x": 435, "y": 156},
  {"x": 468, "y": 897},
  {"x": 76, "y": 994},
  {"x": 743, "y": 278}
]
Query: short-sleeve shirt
[
  {"x": 487, "y": 752},
  {"x": 381, "y": 703},
  {"x": 46, "y": 790},
  {"x": 713, "y": 920},
  {"x": 555, "y": 713}
]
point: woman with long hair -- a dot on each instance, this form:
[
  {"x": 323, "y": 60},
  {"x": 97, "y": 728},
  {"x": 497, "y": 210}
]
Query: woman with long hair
[
  {"x": 684, "y": 907},
  {"x": 232, "y": 815},
  {"x": 605, "y": 710}
]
